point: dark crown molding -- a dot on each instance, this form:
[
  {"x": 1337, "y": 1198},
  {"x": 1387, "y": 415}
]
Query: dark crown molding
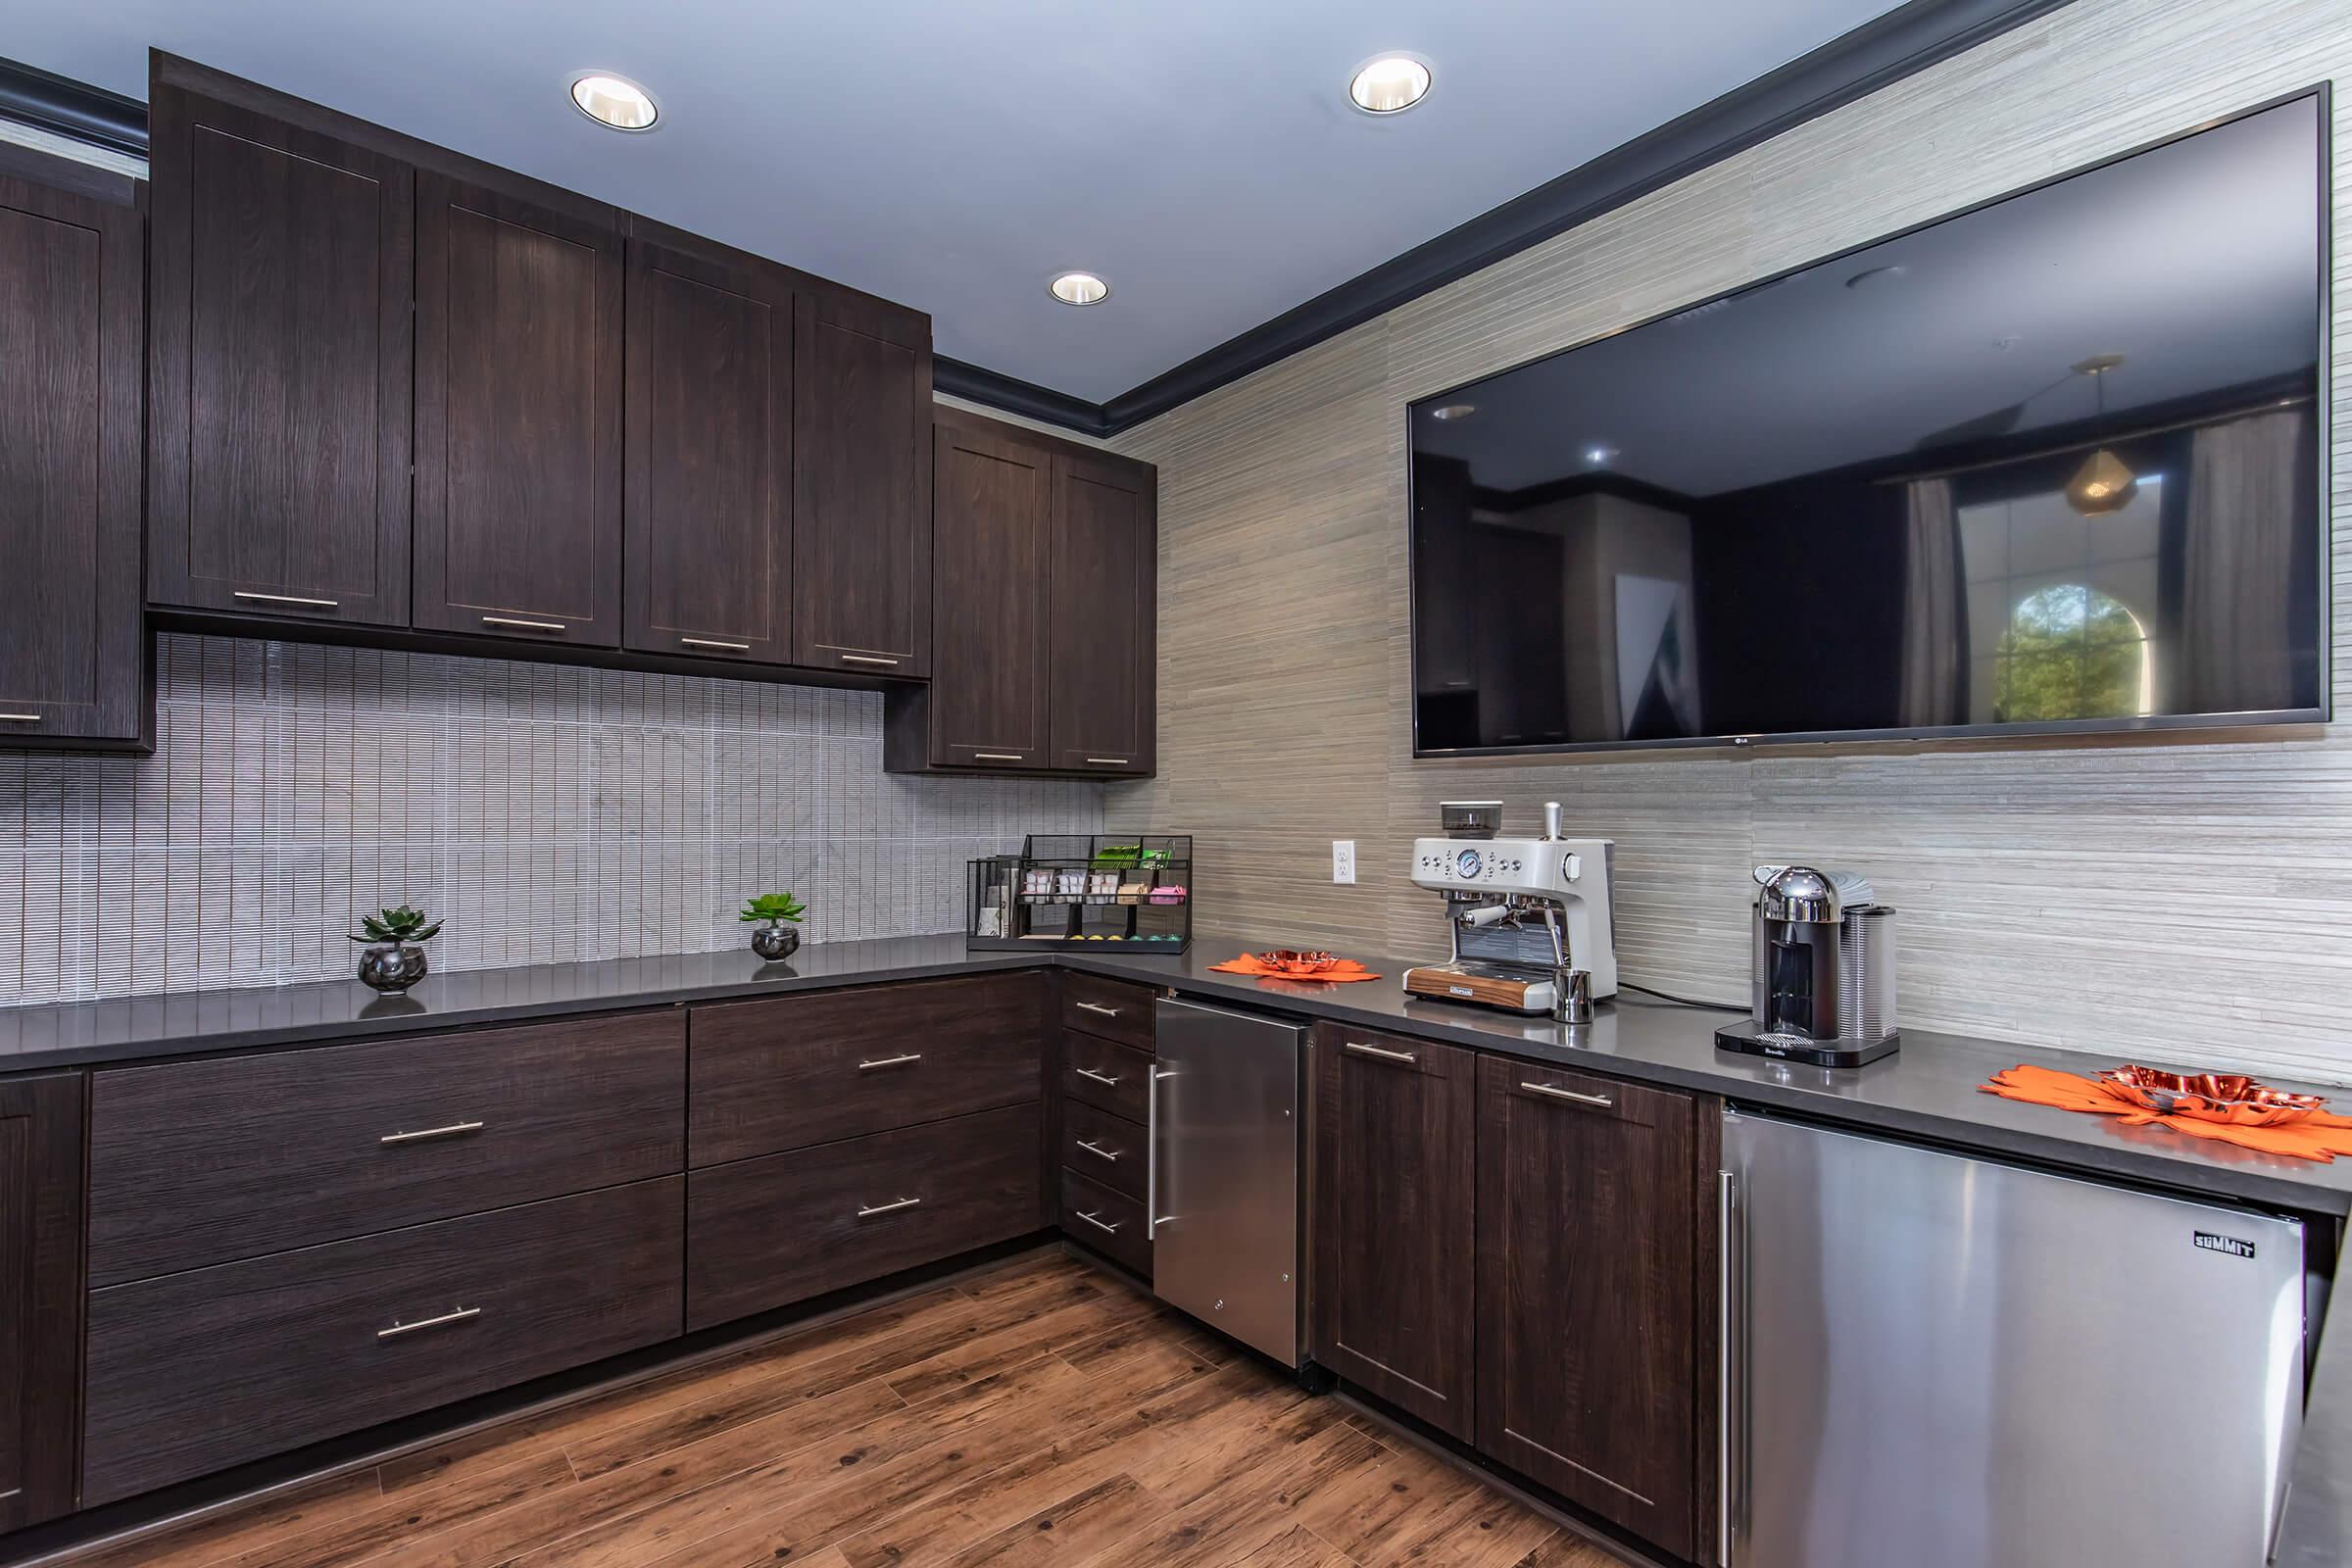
[{"x": 1905, "y": 41}]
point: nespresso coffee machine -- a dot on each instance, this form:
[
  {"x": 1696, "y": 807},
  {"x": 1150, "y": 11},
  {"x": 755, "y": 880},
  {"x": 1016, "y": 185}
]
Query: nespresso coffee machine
[{"x": 1824, "y": 976}]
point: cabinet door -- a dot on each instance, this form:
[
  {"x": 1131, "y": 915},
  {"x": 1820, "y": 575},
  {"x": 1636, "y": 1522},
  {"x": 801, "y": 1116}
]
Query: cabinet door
[
  {"x": 280, "y": 368},
  {"x": 40, "y": 1296},
  {"x": 992, "y": 509},
  {"x": 1392, "y": 1218},
  {"x": 72, "y": 301},
  {"x": 1588, "y": 1342},
  {"x": 1106, "y": 601},
  {"x": 517, "y": 419},
  {"x": 709, "y": 527},
  {"x": 862, "y": 488}
]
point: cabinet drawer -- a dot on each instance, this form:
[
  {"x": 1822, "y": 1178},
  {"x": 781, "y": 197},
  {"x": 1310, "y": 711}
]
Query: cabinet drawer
[
  {"x": 1106, "y": 1076},
  {"x": 1110, "y": 1008},
  {"x": 765, "y": 1231},
  {"x": 194, "y": 1163},
  {"x": 785, "y": 1073},
  {"x": 1106, "y": 1148},
  {"x": 214, "y": 1366},
  {"x": 1105, "y": 1219}
]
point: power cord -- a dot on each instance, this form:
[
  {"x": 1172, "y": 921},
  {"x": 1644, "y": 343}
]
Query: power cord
[{"x": 1680, "y": 1002}]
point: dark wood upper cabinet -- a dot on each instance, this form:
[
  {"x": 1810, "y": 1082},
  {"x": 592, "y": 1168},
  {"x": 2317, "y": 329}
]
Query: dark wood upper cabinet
[
  {"x": 279, "y": 369},
  {"x": 1393, "y": 1220},
  {"x": 74, "y": 664},
  {"x": 518, "y": 344},
  {"x": 1588, "y": 1344},
  {"x": 1106, "y": 605},
  {"x": 40, "y": 1296},
  {"x": 861, "y": 487},
  {"x": 991, "y": 541},
  {"x": 708, "y": 524}
]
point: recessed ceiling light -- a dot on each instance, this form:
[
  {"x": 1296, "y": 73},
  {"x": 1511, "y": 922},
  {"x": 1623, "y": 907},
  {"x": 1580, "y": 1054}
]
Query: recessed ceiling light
[
  {"x": 1454, "y": 411},
  {"x": 1600, "y": 454},
  {"x": 614, "y": 101},
  {"x": 1079, "y": 289},
  {"x": 1389, "y": 86}
]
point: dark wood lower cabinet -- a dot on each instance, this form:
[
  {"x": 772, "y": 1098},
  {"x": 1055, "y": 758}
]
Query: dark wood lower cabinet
[
  {"x": 1587, "y": 1260},
  {"x": 763, "y": 1233},
  {"x": 40, "y": 1295},
  {"x": 1392, "y": 1155},
  {"x": 198, "y": 1371}
]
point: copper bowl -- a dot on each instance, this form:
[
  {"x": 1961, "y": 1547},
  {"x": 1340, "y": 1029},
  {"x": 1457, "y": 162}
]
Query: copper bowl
[
  {"x": 1292, "y": 962},
  {"x": 2211, "y": 1096}
]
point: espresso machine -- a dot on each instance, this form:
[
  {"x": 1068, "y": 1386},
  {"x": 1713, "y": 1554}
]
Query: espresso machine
[
  {"x": 1532, "y": 920},
  {"x": 1823, "y": 977}
]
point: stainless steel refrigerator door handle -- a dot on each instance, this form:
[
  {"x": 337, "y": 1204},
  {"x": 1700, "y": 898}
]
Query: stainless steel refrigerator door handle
[
  {"x": 1726, "y": 1196},
  {"x": 1556, "y": 1092},
  {"x": 1110, "y": 1080},
  {"x": 867, "y": 1210},
  {"x": 455, "y": 1129},
  {"x": 1096, "y": 1007},
  {"x": 1099, "y": 1151},
  {"x": 399, "y": 1327},
  {"x": 1363, "y": 1049},
  {"x": 1151, "y": 1157},
  {"x": 879, "y": 1062}
]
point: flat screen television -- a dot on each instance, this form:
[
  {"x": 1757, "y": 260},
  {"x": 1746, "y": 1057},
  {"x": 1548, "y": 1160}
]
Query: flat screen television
[{"x": 2052, "y": 465}]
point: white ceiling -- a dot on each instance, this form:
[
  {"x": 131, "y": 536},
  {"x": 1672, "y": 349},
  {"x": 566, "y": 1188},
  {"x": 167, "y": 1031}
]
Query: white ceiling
[{"x": 954, "y": 154}]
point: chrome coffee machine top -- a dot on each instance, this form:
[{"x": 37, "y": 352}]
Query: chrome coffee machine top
[
  {"x": 1532, "y": 921},
  {"x": 1823, "y": 974}
]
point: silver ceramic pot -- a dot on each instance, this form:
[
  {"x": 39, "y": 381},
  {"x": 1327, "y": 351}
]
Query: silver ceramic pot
[
  {"x": 773, "y": 942},
  {"x": 391, "y": 966}
]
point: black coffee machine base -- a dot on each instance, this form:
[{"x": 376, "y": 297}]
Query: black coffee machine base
[{"x": 1747, "y": 1038}]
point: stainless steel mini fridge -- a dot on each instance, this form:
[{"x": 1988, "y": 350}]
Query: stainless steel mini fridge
[{"x": 1945, "y": 1362}]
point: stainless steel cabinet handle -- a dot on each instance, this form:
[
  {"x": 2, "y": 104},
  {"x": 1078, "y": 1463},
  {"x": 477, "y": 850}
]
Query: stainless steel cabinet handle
[
  {"x": 281, "y": 599},
  {"x": 866, "y": 659},
  {"x": 1096, "y": 1007},
  {"x": 399, "y": 1327},
  {"x": 1108, "y": 1079},
  {"x": 1107, "y": 1227},
  {"x": 456, "y": 1128},
  {"x": 716, "y": 641},
  {"x": 521, "y": 624},
  {"x": 1725, "y": 1197},
  {"x": 1099, "y": 1151},
  {"x": 1557, "y": 1093},
  {"x": 999, "y": 757},
  {"x": 1363, "y": 1049},
  {"x": 889, "y": 1061},
  {"x": 22, "y": 719},
  {"x": 1107, "y": 762},
  {"x": 866, "y": 1209}
]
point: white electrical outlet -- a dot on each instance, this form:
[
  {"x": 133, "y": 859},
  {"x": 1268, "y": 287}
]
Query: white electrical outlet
[{"x": 1342, "y": 859}]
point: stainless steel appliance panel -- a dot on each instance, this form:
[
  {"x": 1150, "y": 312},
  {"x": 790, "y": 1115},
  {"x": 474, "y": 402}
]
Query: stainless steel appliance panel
[
  {"x": 1224, "y": 1172},
  {"x": 1946, "y": 1362}
]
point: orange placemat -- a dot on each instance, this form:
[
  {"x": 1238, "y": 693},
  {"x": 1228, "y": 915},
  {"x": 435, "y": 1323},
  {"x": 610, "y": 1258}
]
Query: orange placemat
[
  {"x": 2322, "y": 1137},
  {"x": 1346, "y": 970}
]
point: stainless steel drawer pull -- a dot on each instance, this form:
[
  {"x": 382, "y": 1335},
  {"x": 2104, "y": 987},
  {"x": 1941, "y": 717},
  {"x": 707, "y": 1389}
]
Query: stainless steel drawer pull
[
  {"x": 880, "y": 1062},
  {"x": 1363, "y": 1049},
  {"x": 22, "y": 719},
  {"x": 999, "y": 757},
  {"x": 868, "y": 1209},
  {"x": 282, "y": 599},
  {"x": 456, "y": 1128},
  {"x": 1603, "y": 1100},
  {"x": 1096, "y": 1007},
  {"x": 1107, "y": 762},
  {"x": 1108, "y": 1079},
  {"x": 866, "y": 659},
  {"x": 1107, "y": 1227},
  {"x": 720, "y": 643},
  {"x": 1099, "y": 1151},
  {"x": 399, "y": 1327},
  {"x": 521, "y": 624}
]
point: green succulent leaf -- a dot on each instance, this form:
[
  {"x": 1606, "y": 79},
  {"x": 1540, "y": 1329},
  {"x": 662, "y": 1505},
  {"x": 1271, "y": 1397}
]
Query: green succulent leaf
[
  {"x": 403, "y": 924},
  {"x": 772, "y": 907}
]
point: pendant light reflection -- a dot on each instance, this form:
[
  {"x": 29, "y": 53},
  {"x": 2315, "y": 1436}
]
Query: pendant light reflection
[{"x": 2103, "y": 484}]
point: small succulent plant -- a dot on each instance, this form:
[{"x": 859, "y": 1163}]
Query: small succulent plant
[
  {"x": 772, "y": 907},
  {"x": 403, "y": 924}
]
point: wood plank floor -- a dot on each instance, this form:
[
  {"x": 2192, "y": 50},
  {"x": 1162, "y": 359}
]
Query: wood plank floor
[{"x": 1039, "y": 1413}]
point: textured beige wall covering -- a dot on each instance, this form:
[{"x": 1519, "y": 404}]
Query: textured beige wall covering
[{"x": 2186, "y": 902}]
